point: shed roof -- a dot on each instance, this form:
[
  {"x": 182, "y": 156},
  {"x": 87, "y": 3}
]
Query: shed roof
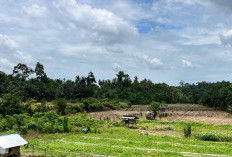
[
  {"x": 11, "y": 140},
  {"x": 129, "y": 117}
]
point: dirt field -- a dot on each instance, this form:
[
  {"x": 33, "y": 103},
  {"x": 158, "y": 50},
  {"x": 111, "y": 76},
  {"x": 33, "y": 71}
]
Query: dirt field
[
  {"x": 176, "y": 112},
  {"x": 138, "y": 110},
  {"x": 197, "y": 113}
]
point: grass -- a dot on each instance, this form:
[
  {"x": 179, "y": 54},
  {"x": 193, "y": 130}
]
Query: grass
[
  {"x": 116, "y": 140},
  {"x": 207, "y": 136}
]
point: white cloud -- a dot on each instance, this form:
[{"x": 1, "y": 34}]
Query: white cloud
[
  {"x": 10, "y": 54},
  {"x": 77, "y": 49},
  {"x": 5, "y": 64},
  {"x": 35, "y": 10},
  {"x": 222, "y": 5},
  {"x": 226, "y": 38},
  {"x": 152, "y": 63},
  {"x": 23, "y": 57},
  {"x": 100, "y": 25},
  {"x": 186, "y": 63},
  {"x": 116, "y": 67},
  {"x": 114, "y": 49},
  {"x": 5, "y": 41}
]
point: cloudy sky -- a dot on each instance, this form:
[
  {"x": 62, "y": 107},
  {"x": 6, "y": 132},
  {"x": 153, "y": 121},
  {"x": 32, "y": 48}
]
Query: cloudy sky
[{"x": 162, "y": 40}]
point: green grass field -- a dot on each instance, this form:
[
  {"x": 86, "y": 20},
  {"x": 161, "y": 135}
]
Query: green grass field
[{"x": 143, "y": 141}]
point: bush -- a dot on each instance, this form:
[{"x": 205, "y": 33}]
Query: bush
[
  {"x": 124, "y": 105},
  {"x": 188, "y": 130},
  {"x": 61, "y": 105},
  {"x": 74, "y": 108},
  {"x": 155, "y": 107},
  {"x": 50, "y": 123},
  {"x": 212, "y": 137},
  {"x": 92, "y": 104},
  {"x": 97, "y": 106},
  {"x": 10, "y": 104},
  {"x": 32, "y": 126},
  {"x": 87, "y": 122},
  {"x": 31, "y": 106},
  {"x": 73, "y": 101},
  {"x": 24, "y": 130},
  {"x": 65, "y": 124},
  {"x": 3, "y": 124},
  {"x": 116, "y": 124}
]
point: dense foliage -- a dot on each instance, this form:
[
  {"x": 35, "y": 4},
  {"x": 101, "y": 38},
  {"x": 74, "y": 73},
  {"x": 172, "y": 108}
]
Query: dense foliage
[
  {"x": 49, "y": 122},
  {"x": 34, "y": 84},
  {"x": 31, "y": 86},
  {"x": 217, "y": 95}
]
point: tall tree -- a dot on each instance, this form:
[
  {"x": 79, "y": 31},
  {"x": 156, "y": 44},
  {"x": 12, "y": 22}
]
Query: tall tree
[
  {"x": 22, "y": 71},
  {"x": 90, "y": 79},
  {"x": 39, "y": 71}
]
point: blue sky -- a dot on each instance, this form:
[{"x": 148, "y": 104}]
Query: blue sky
[{"x": 162, "y": 40}]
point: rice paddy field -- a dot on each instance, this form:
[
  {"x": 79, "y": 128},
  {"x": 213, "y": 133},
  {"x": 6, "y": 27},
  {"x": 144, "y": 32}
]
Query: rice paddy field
[{"x": 161, "y": 137}]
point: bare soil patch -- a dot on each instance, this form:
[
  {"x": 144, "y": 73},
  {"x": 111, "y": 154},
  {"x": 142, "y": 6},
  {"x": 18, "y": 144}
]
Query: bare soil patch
[
  {"x": 137, "y": 110},
  {"x": 197, "y": 113},
  {"x": 176, "y": 112}
]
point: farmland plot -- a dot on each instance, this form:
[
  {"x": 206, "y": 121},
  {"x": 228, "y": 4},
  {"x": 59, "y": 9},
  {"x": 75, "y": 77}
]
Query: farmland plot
[
  {"x": 161, "y": 137},
  {"x": 127, "y": 142}
]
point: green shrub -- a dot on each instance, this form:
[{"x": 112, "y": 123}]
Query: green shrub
[
  {"x": 188, "y": 130},
  {"x": 87, "y": 122},
  {"x": 97, "y": 106},
  {"x": 155, "y": 107},
  {"x": 212, "y": 137},
  {"x": 24, "y": 130},
  {"x": 32, "y": 126},
  {"x": 3, "y": 124},
  {"x": 57, "y": 127},
  {"x": 92, "y": 104},
  {"x": 10, "y": 104},
  {"x": 70, "y": 111},
  {"x": 38, "y": 114},
  {"x": 32, "y": 106},
  {"x": 50, "y": 123},
  {"x": 20, "y": 119},
  {"x": 124, "y": 105},
  {"x": 116, "y": 124},
  {"x": 61, "y": 105},
  {"x": 73, "y": 101},
  {"x": 47, "y": 127},
  {"x": 65, "y": 124},
  {"x": 165, "y": 128},
  {"x": 78, "y": 107}
]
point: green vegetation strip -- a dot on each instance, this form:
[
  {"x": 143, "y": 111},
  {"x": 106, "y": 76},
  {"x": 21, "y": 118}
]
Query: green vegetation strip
[{"x": 176, "y": 144}]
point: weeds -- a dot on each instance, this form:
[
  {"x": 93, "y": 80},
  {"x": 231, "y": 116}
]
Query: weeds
[
  {"x": 188, "y": 130},
  {"x": 206, "y": 136}
]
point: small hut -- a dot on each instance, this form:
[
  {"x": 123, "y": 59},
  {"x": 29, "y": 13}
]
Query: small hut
[
  {"x": 129, "y": 120},
  {"x": 10, "y": 145},
  {"x": 163, "y": 108}
]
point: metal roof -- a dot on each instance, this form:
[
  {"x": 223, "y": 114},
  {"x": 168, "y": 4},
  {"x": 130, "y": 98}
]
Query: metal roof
[
  {"x": 11, "y": 140},
  {"x": 128, "y": 118}
]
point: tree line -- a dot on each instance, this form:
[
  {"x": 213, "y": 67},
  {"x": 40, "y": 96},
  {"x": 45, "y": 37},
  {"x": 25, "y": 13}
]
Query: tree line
[
  {"x": 217, "y": 95},
  {"x": 29, "y": 83},
  {"x": 34, "y": 83}
]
